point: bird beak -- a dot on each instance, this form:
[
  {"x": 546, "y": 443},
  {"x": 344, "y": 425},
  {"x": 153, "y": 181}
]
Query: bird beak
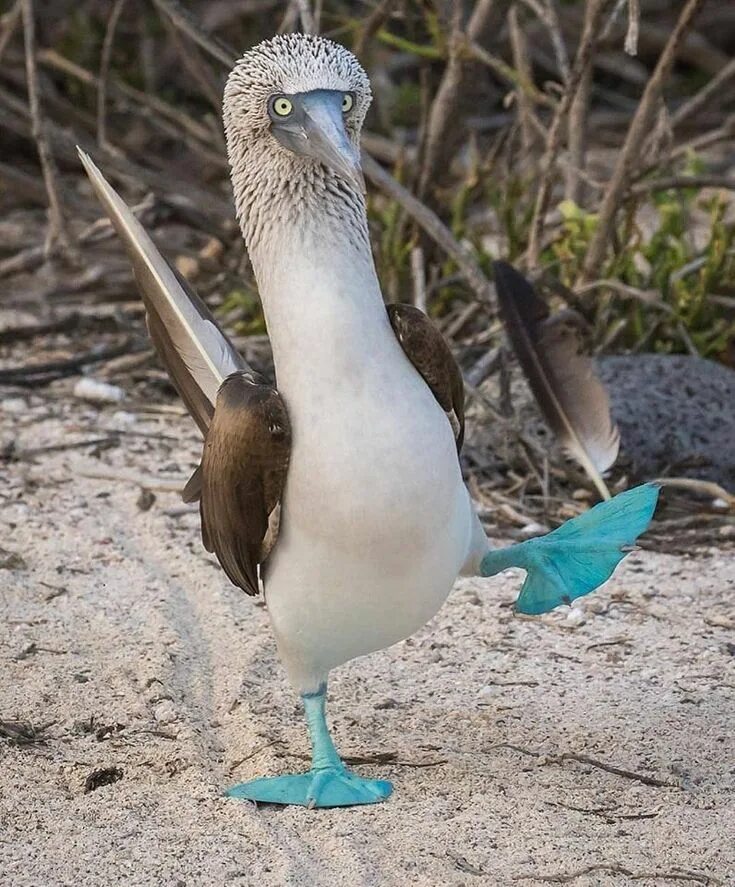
[
  {"x": 318, "y": 131},
  {"x": 324, "y": 129}
]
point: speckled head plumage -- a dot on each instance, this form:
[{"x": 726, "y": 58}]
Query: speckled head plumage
[{"x": 270, "y": 179}]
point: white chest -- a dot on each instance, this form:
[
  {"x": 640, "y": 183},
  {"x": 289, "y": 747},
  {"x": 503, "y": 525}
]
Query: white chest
[{"x": 375, "y": 517}]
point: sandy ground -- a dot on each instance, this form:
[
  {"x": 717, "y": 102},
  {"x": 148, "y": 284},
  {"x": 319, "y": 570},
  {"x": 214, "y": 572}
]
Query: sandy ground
[{"x": 123, "y": 639}]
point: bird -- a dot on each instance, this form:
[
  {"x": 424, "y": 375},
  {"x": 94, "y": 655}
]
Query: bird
[{"x": 339, "y": 489}]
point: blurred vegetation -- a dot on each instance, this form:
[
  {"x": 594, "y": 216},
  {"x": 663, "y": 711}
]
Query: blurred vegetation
[
  {"x": 591, "y": 146},
  {"x": 501, "y": 69}
]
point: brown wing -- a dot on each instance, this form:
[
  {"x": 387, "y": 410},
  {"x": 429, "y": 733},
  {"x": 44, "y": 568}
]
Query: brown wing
[
  {"x": 243, "y": 470},
  {"x": 425, "y": 347}
]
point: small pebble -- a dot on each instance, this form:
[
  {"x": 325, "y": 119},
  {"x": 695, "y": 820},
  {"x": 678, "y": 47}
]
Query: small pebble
[
  {"x": 11, "y": 560},
  {"x": 187, "y": 266},
  {"x": 14, "y": 405},
  {"x": 97, "y": 392},
  {"x": 533, "y": 529},
  {"x": 120, "y": 420},
  {"x": 145, "y": 500},
  {"x": 165, "y": 713},
  {"x": 576, "y": 616},
  {"x": 212, "y": 249}
]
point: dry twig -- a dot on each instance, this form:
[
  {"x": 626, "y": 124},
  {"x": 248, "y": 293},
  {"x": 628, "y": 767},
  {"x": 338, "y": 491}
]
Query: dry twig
[
  {"x": 634, "y": 24},
  {"x": 553, "y": 143},
  {"x": 105, "y": 71},
  {"x": 616, "y": 868},
  {"x": 521, "y": 60},
  {"x": 433, "y": 226},
  {"x": 574, "y": 187},
  {"x": 308, "y": 24},
  {"x": 637, "y": 132},
  {"x": 183, "y": 21},
  {"x": 57, "y": 233},
  {"x": 9, "y": 23},
  {"x": 443, "y": 129},
  {"x": 697, "y": 102}
]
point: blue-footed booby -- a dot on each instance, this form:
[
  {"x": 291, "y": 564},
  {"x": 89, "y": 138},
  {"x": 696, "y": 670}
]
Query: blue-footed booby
[{"x": 340, "y": 491}]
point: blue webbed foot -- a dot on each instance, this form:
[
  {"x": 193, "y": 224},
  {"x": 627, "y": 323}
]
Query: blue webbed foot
[
  {"x": 325, "y": 787},
  {"x": 578, "y": 556}
]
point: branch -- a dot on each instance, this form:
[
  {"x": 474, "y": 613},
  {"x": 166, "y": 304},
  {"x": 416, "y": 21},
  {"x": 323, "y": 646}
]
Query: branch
[
  {"x": 135, "y": 98},
  {"x": 434, "y": 227},
  {"x": 680, "y": 182},
  {"x": 168, "y": 119},
  {"x": 553, "y": 144},
  {"x": 698, "y": 101},
  {"x": 445, "y": 128},
  {"x": 522, "y": 63},
  {"x": 515, "y": 77},
  {"x": 105, "y": 71},
  {"x": 9, "y": 23},
  {"x": 308, "y": 24},
  {"x": 548, "y": 15},
  {"x": 57, "y": 233},
  {"x": 639, "y": 128},
  {"x": 372, "y": 24},
  {"x": 209, "y": 203},
  {"x": 634, "y": 26},
  {"x": 577, "y": 133},
  {"x": 182, "y": 20}
]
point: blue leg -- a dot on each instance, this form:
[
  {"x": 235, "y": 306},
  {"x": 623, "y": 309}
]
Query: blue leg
[
  {"x": 328, "y": 784},
  {"x": 578, "y": 556}
]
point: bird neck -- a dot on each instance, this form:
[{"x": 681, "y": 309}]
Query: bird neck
[{"x": 319, "y": 288}]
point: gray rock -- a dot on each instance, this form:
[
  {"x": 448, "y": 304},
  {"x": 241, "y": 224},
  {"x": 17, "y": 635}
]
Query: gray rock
[{"x": 676, "y": 415}]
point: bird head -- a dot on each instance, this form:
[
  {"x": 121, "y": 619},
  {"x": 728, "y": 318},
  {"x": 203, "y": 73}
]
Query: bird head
[{"x": 296, "y": 104}]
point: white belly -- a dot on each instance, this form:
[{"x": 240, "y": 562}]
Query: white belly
[{"x": 376, "y": 522}]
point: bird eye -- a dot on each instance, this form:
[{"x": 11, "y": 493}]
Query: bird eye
[
  {"x": 348, "y": 101},
  {"x": 282, "y": 106}
]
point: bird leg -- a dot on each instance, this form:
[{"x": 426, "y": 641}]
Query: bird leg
[{"x": 328, "y": 784}]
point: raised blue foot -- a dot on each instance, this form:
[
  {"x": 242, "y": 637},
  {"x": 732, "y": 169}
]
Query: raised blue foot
[
  {"x": 578, "y": 556},
  {"x": 328, "y": 784},
  {"x": 330, "y": 787}
]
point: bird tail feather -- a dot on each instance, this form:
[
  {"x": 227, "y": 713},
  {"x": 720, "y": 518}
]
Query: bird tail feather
[{"x": 580, "y": 555}]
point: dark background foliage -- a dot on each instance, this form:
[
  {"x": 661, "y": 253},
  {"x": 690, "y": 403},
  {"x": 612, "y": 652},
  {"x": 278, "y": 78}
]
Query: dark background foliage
[{"x": 590, "y": 143}]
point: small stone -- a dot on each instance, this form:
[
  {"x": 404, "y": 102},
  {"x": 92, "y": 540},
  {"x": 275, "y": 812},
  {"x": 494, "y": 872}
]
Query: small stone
[
  {"x": 165, "y": 712},
  {"x": 145, "y": 500},
  {"x": 212, "y": 249},
  {"x": 575, "y": 617},
  {"x": 97, "y": 392},
  {"x": 533, "y": 529},
  {"x": 15, "y": 405},
  {"x": 187, "y": 266},
  {"x": 121, "y": 419},
  {"x": 386, "y": 704},
  {"x": 102, "y": 776},
  {"x": 11, "y": 560}
]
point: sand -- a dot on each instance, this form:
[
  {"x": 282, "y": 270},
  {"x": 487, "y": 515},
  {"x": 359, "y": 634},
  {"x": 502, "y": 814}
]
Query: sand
[{"x": 590, "y": 746}]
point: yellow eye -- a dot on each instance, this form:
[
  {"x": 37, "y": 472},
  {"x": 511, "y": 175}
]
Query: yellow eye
[
  {"x": 282, "y": 106},
  {"x": 347, "y": 102}
]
